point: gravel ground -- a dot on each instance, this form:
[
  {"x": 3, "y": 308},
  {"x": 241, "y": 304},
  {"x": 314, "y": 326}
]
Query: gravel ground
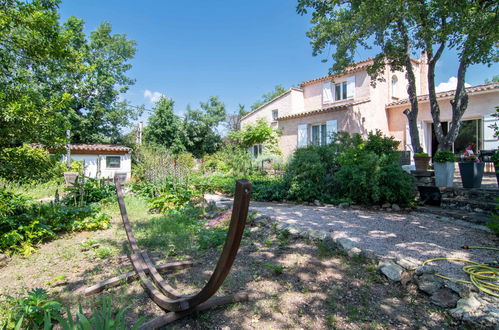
[{"x": 416, "y": 237}]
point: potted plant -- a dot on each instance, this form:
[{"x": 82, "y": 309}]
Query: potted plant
[
  {"x": 495, "y": 159},
  {"x": 421, "y": 160},
  {"x": 443, "y": 162},
  {"x": 471, "y": 170}
]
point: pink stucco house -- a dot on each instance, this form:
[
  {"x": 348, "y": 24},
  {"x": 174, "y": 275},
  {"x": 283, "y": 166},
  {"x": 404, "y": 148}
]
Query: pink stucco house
[{"x": 349, "y": 102}]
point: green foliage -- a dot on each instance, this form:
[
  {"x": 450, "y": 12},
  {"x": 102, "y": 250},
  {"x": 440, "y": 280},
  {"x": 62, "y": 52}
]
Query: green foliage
[
  {"x": 278, "y": 90},
  {"x": 199, "y": 128},
  {"x": 163, "y": 127},
  {"x": 276, "y": 269},
  {"x": 421, "y": 154},
  {"x": 494, "y": 224},
  {"x": 29, "y": 164},
  {"x": 232, "y": 160},
  {"x": 173, "y": 196},
  {"x": 30, "y": 311},
  {"x": 88, "y": 190},
  {"x": 212, "y": 238},
  {"x": 495, "y": 157},
  {"x": 443, "y": 156},
  {"x": 24, "y": 224}
]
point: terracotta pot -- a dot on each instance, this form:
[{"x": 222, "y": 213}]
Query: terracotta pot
[{"x": 422, "y": 162}]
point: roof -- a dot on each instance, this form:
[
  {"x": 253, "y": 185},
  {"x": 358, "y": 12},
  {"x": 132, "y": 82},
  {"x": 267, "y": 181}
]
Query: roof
[
  {"x": 356, "y": 67},
  {"x": 94, "y": 149},
  {"x": 274, "y": 99},
  {"x": 322, "y": 110},
  {"x": 470, "y": 90}
]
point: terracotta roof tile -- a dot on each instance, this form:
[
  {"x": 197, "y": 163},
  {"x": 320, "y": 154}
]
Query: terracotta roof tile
[
  {"x": 470, "y": 90},
  {"x": 274, "y": 99},
  {"x": 322, "y": 110},
  {"x": 100, "y": 147}
]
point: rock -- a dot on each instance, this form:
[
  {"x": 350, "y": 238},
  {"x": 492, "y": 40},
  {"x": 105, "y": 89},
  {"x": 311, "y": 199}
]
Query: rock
[
  {"x": 95, "y": 246},
  {"x": 376, "y": 207},
  {"x": 429, "y": 283},
  {"x": 263, "y": 220},
  {"x": 395, "y": 207},
  {"x": 392, "y": 271},
  {"x": 211, "y": 215},
  {"x": 426, "y": 269},
  {"x": 343, "y": 205},
  {"x": 465, "y": 305},
  {"x": 317, "y": 234},
  {"x": 388, "y": 209},
  {"x": 317, "y": 203},
  {"x": 293, "y": 231},
  {"x": 355, "y": 251},
  {"x": 356, "y": 207},
  {"x": 407, "y": 264},
  {"x": 281, "y": 226},
  {"x": 386, "y": 205},
  {"x": 445, "y": 297},
  {"x": 345, "y": 243}
]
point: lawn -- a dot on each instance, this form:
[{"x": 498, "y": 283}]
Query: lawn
[{"x": 294, "y": 283}]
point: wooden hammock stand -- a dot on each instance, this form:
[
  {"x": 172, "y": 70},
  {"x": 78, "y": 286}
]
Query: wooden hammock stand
[{"x": 159, "y": 291}]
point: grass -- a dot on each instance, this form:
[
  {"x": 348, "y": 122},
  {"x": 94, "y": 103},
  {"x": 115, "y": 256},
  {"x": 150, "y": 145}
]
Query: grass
[{"x": 36, "y": 191}]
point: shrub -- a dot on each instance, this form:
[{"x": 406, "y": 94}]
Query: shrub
[
  {"x": 24, "y": 223},
  {"x": 175, "y": 196},
  {"x": 88, "y": 190},
  {"x": 444, "y": 156},
  {"x": 29, "y": 164}
]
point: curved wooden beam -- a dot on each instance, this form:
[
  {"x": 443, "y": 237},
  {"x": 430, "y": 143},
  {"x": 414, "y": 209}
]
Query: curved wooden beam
[{"x": 141, "y": 262}]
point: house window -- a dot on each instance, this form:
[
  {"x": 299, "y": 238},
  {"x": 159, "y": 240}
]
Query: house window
[
  {"x": 113, "y": 161},
  {"x": 340, "y": 91},
  {"x": 394, "y": 86},
  {"x": 257, "y": 150},
  {"x": 319, "y": 134},
  {"x": 275, "y": 114}
]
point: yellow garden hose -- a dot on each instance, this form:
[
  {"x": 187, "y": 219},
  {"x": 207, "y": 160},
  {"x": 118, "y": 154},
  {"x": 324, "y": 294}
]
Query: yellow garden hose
[{"x": 483, "y": 276}]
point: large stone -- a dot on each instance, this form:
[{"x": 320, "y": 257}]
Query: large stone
[
  {"x": 317, "y": 203},
  {"x": 407, "y": 264},
  {"x": 343, "y": 205},
  {"x": 445, "y": 297},
  {"x": 386, "y": 205},
  {"x": 429, "y": 283},
  {"x": 393, "y": 271},
  {"x": 317, "y": 234},
  {"x": 395, "y": 207},
  {"x": 426, "y": 269},
  {"x": 465, "y": 305}
]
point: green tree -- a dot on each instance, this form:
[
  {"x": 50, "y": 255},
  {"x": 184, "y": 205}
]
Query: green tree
[
  {"x": 233, "y": 120},
  {"x": 494, "y": 79},
  {"x": 347, "y": 25},
  {"x": 31, "y": 44},
  {"x": 96, "y": 112},
  {"x": 163, "y": 127},
  {"x": 278, "y": 90},
  {"x": 259, "y": 133},
  {"x": 199, "y": 127},
  {"x": 401, "y": 28}
]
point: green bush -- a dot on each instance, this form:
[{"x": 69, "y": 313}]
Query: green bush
[
  {"x": 88, "y": 190},
  {"x": 444, "y": 156},
  {"x": 31, "y": 311},
  {"x": 24, "y": 224},
  {"x": 29, "y": 164}
]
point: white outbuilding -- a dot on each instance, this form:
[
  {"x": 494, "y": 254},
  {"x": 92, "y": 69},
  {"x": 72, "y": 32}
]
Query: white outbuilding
[{"x": 102, "y": 160}]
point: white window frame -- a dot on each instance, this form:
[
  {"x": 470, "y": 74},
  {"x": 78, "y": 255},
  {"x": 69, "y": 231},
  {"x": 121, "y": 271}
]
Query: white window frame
[
  {"x": 323, "y": 139},
  {"x": 107, "y": 163},
  {"x": 275, "y": 114}
]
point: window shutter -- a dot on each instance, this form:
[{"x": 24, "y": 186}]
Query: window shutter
[
  {"x": 351, "y": 86},
  {"x": 489, "y": 141},
  {"x": 327, "y": 95},
  {"x": 331, "y": 127},
  {"x": 422, "y": 131},
  {"x": 302, "y": 135}
]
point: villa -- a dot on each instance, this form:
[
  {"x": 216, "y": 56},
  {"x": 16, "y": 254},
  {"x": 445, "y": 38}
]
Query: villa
[{"x": 349, "y": 102}]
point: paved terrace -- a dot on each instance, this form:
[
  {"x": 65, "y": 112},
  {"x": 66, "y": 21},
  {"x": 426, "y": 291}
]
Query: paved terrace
[{"x": 415, "y": 236}]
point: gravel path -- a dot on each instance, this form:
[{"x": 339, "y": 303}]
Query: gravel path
[{"x": 416, "y": 237}]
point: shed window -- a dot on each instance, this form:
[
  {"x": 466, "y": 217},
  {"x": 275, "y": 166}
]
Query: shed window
[
  {"x": 113, "y": 162},
  {"x": 275, "y": 114}
]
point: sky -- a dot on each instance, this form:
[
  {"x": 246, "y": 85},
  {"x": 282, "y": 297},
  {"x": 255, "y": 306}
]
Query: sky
[{"x": 236, "y": 50}]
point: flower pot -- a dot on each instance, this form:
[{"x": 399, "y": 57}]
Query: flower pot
[
  {"x": 444, "y": 174},
  {"x": 422, "y": 162},
  {"x": 471, "y": 174}
]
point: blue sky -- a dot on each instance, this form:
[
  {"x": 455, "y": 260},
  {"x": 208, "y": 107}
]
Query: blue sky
[{"x": 237, "y": 50}]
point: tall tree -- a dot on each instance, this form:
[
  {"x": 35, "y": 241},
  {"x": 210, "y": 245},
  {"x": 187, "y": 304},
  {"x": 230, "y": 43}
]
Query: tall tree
[
  {"x": 163, "y": 128},
  {"x": 347, "y": 25},
  {"x": 97, "y": 113},
  {"x": 199, "y": 127},
  {"x": 31, "y": 43},
  {"x": 471, "y": 27},
  {"x": 278, "y": 90},
  {"x": 403, "y": 27},
  {"x": 233, "y": 120}
]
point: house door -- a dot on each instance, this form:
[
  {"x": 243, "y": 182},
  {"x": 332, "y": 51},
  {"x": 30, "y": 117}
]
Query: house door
[{"x": 470, "y": 132}]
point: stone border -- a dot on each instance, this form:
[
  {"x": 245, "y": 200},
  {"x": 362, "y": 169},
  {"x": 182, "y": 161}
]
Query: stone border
[{"x": 464, "y": 302}]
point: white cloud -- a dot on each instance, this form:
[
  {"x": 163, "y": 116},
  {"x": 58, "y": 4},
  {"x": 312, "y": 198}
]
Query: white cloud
[
  {"x": 449, "y": 85},
  {"x": 153, "y": 97}
]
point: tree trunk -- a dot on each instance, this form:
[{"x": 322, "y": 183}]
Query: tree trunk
[{"x": 412, "y": 113}]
